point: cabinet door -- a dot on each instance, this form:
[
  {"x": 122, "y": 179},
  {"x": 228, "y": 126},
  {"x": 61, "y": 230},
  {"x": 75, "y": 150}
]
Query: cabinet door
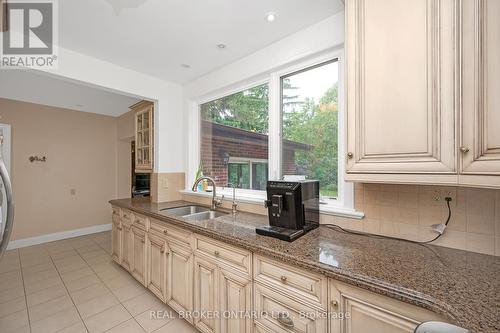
[
  {"x": 400, "y": 88},
  {"x": 369, "y": 312},
  {"x": 127, "y": 246},
  {"x": 480, "y": 146},
  {"x": 235, "y": 298},
  {"x": 180, "y": 279},
  {"x": 205, "y": 294},
  {"x": 144, "y": 136},
  {"x": 116, "y": 238},
  {"x": 157, "y": 259},
  {"x": 139, "y": 255}
]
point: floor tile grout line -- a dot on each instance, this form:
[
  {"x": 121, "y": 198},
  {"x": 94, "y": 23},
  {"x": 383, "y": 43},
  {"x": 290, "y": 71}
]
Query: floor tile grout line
[
  {"x": 69, "y": 295},
  {"x": 109, "y": 289},
  {"x": 24, "y": 288}
]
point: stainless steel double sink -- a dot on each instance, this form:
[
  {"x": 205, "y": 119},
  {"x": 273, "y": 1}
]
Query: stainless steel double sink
[{"x": 193, "y": 212}]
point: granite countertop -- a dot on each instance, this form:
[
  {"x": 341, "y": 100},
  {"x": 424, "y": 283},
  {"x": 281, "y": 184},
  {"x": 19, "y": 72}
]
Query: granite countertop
[{"x": 462, "y": 286}]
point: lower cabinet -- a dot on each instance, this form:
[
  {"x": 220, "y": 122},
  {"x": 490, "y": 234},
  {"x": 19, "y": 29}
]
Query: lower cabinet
[
  {"x": 127, "y": 246},
  {"x": 231, "y": 290},
  {"x": 157, "y": 266},
  {"x": 224, "y": 296},
  {"x": 363, "y": 311},
  {"x": 138, "y": 268},
  {"x": 116, "y": 237},
  {"x": 180, "y": 279}
]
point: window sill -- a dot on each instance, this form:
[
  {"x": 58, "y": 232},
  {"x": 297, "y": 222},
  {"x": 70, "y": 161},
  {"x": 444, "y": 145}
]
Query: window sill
[{"x": 257, "y": 199}]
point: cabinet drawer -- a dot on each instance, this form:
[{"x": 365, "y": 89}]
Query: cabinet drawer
[
  {"x": 279, "y": 313},
  {"x": 231, "y": 256},
  {"x": 141, "y": 222},
  {"x": 303, "y": 285},
  {"x": 163, "y": 229}
]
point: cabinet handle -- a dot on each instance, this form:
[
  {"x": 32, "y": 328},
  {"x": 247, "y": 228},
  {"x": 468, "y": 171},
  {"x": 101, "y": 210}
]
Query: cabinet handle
[
  {"x": 143, "y": 241},
  {"x": 216, "y": 253},
  {"x": 464, "y": 149},
  {"x": 334, "y": 303},
  {"x": 285, "y": 320},
  {"x": 119, "y": 228},
  {"x": 165, "y": 231},
  {"x": 162, "y": 249},
  {"x": 283, "y": 278},
  {"x": 350, "y": 155}
]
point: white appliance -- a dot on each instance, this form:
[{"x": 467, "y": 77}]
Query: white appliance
[{"x": 6, "y": 196}]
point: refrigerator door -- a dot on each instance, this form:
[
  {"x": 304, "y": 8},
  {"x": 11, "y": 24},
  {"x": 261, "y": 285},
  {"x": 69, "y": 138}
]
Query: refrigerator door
[{"x": 6, "y": 202}]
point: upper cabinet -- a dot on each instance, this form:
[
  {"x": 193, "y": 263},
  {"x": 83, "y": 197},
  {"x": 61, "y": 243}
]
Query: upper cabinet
[
  {"x": 418, "y": 74},
  {"x": 144, "y": 138},
  {"x": 480, "y": 126}
]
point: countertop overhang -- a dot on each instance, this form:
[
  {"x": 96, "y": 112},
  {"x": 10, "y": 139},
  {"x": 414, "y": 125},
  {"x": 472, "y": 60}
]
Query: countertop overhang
[{"x": 462, "y": 286}]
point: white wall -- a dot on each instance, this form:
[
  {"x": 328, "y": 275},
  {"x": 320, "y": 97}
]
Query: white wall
[
  {"x": 167, "y": 96},
  {"x": 319, "y": 38}
]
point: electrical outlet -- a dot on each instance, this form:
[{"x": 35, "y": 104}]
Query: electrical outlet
[
  {"x": 164, "y": 183},
  {"x": 440, "y": 193},
  {"x": 72, "y": 191}
]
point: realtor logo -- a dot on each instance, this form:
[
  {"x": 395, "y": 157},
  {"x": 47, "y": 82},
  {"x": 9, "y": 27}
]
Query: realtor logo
[{"x": 31, "y": 36}]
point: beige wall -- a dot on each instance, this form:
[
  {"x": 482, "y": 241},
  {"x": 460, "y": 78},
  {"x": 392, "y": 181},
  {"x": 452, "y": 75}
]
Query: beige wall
[
  {"x": 408, "y": 211},
  {"x": 81, "y": 150}
]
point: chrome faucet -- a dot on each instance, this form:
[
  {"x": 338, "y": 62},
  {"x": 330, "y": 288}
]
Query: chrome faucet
[
  {"x": 234, "y": 208},
  {"x": 216, "y": 202}
]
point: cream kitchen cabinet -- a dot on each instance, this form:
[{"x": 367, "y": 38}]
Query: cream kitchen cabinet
[
  {"x": 116, "y": 237},
  {"x": 223, "y": 286},
  {"x": 158, "y": 255},
  {"x": 127, "y": 240},
  {"x": 480, "y": 122},
  {"x": 144, "y": 137},
  {"x": 353, "y": 310},
  {"x": 420, "y": 92},
  {"x": 180, "y": 279},
  {"x": 138, "y": 267}
]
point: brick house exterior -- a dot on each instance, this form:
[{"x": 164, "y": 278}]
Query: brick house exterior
[{"x": 221, "y": 143}]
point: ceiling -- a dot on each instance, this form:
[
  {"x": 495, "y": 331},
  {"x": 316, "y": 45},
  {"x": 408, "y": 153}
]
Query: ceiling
[
  {"x": 33, "y": 87},
  {"x": 157, "y": 36}
]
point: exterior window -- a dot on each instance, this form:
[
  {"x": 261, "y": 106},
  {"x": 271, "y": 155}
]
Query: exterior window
[
  {"x": 234, "y": 138},
  {"x": 309, "y": 112}
]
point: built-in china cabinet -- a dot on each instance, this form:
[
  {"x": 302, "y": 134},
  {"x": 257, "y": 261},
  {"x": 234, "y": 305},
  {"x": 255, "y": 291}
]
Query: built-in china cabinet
[
  {"x": 422, "y": 82},
  {"x": 144, "y": 136}
]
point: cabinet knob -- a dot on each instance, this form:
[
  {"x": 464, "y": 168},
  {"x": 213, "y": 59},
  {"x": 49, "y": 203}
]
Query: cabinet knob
[
  {"x": 334, "y": 303},
  {"x": 283, "y": 278},
  {"x": 284, "y": 319},
  {"x": 165, "y": 231},
  {"x": 216, "y": 253},
  {"x": 464, "y": 149},
  {"x": 143, "y": 241},
  {"x": 350, "y": 155}
]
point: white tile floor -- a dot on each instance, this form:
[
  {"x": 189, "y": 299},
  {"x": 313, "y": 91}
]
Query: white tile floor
[{"x": 73, "y": 286}]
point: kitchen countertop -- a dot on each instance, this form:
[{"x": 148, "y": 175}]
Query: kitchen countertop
[{"x": 462, "y": 286}]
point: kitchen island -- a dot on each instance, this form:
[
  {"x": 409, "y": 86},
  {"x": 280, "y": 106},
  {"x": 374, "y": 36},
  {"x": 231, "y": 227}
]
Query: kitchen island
[{"x": 329, "y": 270}]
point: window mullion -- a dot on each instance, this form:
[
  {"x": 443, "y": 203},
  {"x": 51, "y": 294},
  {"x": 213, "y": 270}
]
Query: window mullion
[{"x": 274, "y": 168}]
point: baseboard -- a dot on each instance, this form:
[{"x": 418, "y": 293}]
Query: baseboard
[{"x": 18, "y": 243}]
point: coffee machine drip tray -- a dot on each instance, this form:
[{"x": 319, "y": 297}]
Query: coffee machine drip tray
[{"x": 285, "y": 234}]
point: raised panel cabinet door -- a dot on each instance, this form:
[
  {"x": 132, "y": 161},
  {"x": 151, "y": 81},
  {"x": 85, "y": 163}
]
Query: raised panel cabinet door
[
  {"x": 205, "y": 294},
  {"x": 139, "y": 255},
  {"x": 116, "y": 238},
  {"x": 235, "y": 302},
  {"x": 143, "y": 136},
  {"x": 480, "y": 141},
  {"x": 180, "y": 279},
  {"x": 157, "y": 265},
  {"x": 400, "y": 86},
  {"x": 127, "y": 247}
]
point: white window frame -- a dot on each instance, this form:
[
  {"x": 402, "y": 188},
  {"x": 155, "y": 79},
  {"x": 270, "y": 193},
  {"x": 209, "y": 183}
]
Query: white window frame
[{"x": 344, "y": 205}]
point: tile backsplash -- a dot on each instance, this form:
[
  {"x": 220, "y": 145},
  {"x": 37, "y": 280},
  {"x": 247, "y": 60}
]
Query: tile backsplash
[{"x": 408, "y": 211}]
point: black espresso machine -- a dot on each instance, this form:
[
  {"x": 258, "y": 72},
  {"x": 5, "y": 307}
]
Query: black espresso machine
[{"x": 293, "y": 208}]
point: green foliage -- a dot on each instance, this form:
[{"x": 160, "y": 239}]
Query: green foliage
[
  {"x": 247, "y": 110},
  {"x": 316, "y": 124}
]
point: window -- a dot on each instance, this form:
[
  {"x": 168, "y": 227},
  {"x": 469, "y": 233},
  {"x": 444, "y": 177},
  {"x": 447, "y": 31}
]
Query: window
[
  {"x": 309, "y": 115},
  {"x": 234, "y": 138},
  {"x": 290, "y": 125}
]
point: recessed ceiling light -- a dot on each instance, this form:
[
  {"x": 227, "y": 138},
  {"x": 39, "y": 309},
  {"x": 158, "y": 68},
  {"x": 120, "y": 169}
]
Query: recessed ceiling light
[
  {"x": 221, "y": 46},
  {"x": 79, "y": 105},
  {"x": 271, "y": 17},
  {"x": 185, "y": 66}
]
